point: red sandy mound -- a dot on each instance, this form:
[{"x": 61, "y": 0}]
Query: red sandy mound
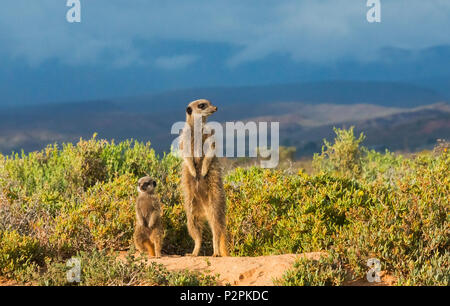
[
  {"x": 250, "y": 271},
  {"x": 237, "y": 271},
  {"x": 7, "y": 282}
]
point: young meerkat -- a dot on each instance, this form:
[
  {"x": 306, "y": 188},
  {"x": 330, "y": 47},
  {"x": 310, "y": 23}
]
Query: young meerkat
[
  {"x": 201, "y": 180},
  {"x": 148, "y": 233}
]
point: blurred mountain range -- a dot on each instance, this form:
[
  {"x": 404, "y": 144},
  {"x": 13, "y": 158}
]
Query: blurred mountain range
[{"x": 393, "y": 115}]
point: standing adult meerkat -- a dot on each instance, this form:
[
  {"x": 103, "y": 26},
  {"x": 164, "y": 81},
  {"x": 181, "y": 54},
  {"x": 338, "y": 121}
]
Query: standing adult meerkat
[
  {"x": 148, "y": 233},
  {"x": 201, "y": 179}
]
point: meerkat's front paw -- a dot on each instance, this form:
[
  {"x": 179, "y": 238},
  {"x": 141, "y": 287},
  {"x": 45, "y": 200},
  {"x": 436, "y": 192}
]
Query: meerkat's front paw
[
  {"x": 204, "y": 172},
  {"x": 193, "y": 172}
]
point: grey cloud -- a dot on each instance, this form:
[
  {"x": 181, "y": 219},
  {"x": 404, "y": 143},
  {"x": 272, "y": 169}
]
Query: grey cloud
[
  {"x": 175, "y": 62},
  {"x": 311, "y": 30}
]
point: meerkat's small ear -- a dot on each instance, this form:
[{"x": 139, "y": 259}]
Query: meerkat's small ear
[
  {"x": 189, "y": 110},
  {"x": 154, "y": 184}
]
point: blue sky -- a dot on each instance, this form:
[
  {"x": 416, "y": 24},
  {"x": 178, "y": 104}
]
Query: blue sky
[{"x": 125, "y": 48}]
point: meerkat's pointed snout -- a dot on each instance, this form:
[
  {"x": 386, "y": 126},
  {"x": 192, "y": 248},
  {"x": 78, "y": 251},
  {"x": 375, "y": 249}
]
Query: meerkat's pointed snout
[{"x": 212, "y": 109}]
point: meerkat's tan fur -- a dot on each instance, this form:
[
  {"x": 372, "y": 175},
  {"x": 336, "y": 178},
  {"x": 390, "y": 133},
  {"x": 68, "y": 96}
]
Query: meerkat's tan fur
[
  {"x": 148, "y": 234},
  {"x": 201, "y": 181}
]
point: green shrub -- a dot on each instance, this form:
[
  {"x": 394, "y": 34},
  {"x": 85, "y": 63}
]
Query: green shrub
[
  {"x": 274, "y": 212},
  {"x": 309, "y": 272},
  {"x": 343, "y": 157},
  {"x": 361, "y": 204},
  {"x": 18, "y": 252},
  {"x": 58, "y": 174},
  {"x": 407, "y": 229},
  {"x": 386, "y": 167},
  {"x": 161, "y": 276},
  {"x": 82, "y": 196},
  {"x": 102, "y": 217},
  {"x": 99, "y": 268}
]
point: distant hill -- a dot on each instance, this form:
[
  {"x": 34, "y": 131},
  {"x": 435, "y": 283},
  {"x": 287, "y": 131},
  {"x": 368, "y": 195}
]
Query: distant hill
[
  {"x": 397, "y": 116},
  {"x": 441, "y": 85},
  {"x": 392, "y": 94},
  {"x": 385, "y": 128}
]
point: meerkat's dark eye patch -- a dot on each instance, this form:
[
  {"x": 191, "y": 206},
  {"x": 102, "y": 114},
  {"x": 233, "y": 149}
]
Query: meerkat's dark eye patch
[
  {"x": 202, "y": 105},
  {"x": 189, "y": 110}
]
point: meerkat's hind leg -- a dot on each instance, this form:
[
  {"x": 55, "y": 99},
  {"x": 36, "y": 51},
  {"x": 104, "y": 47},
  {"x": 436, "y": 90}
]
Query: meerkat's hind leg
[
  {"x": 216, "y": 220},
  {"x": 149, "y": 248},
  {"x": 218, "y": 233},
  {"x": 217, "y": 225},
  {"x": 195, "y": 230},
  {"x": 157, "y": 242},
  {"x": 158, "y": 249},
  {"x": 223, "y": 244}
]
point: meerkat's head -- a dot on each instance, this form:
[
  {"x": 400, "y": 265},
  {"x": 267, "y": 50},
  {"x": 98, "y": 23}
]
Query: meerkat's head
[
  {"x": 146, "y": 184},
  {"x": 201, "y": 107}
]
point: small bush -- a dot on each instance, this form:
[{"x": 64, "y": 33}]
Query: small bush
[
  {"x": 385, "y": 168},
  {"x": 308, "y": 272},
  {"x": 407, "y": 228},
  {"x": 274, "y": 212},
  {"x": 343, "y": 157},
  {"x": 18, "y": 253},
  {"x": 102, "y": 217},
  {"x": 99, "y": 268}
]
